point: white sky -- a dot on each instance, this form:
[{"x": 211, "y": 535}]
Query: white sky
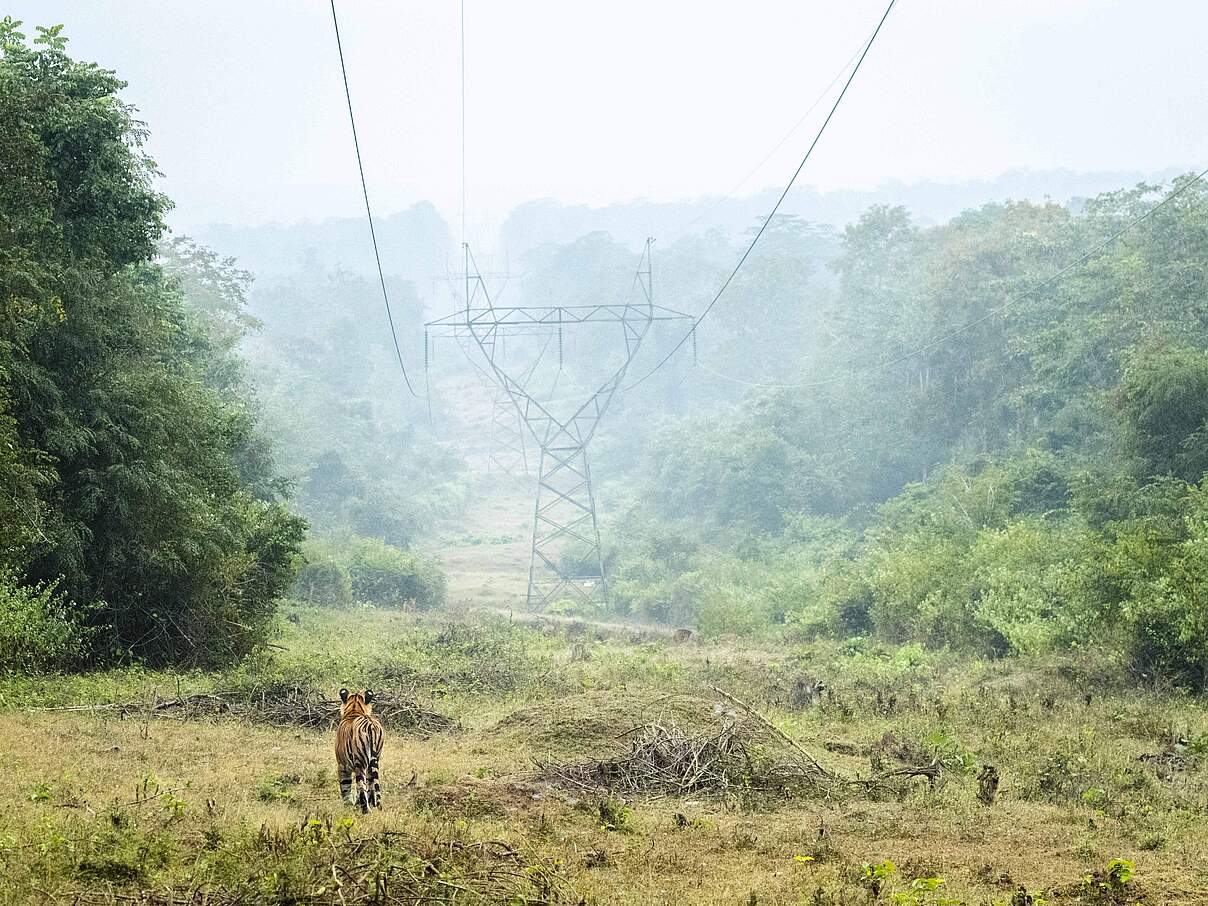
[{"x": 610, "y": 101}]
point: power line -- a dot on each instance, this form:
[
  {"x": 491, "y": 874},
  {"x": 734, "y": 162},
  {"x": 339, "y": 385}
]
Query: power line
[
  {"x": 993, "y": 313},
  {"x": 780, "y": 144},
  {"x": 763, "y": 227},
  {"x": 462, "y": 36},
  {"x": 368, "y": 210}
]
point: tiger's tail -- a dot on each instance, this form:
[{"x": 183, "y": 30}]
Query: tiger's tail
[{"x": 375, "y": 794}]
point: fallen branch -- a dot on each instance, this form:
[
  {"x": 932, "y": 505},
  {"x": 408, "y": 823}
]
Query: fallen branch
[
  {"x": 291, "y": 706},
  {"x": 735, "y": 700}
]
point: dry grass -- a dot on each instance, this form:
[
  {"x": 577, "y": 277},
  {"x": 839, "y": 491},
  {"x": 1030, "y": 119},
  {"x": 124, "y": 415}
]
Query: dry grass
[
  {"x": 115, "y": 806},
  {"x": 289, "y": 706}
]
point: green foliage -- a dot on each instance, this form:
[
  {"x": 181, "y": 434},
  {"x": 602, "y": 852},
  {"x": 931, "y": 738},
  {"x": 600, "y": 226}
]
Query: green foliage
[
  {"x": 277, "y": 787},
  {"x": 1037, "y": 375},
  {"x": 1030, "y": 487},
  {"x": 1031, "y": 584},
  {"x": 373, "y": 572},
  {"x": 1120, "y": 872},
  {"x": 22, "y": 512},
  {"x": 1156, "y": 573},
  {"x": 1163, "y": 401},
  {"x": 40, "y": 631},
  {"x": 323, "y": 580},
  {"x": 615, "y": 816},
  {"x": 385, "y": 575},
  {"x": 128, "y": 447}
]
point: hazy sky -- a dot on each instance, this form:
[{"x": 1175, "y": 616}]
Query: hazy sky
[{"x": 606, "y": 101}]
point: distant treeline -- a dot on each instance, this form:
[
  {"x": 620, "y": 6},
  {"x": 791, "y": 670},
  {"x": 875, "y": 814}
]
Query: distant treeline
[{"x": 1033, "y": 482}]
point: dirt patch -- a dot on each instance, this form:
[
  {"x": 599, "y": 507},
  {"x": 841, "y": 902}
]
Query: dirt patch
[{"x": 469, "y": 799}]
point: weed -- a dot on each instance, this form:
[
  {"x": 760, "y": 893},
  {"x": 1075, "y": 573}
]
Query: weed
[
  {"x": 1109, "y": 886},
  {"x": 615, "y": 816},
  {"x": 278, "y": 787},
  {"x": 873, "y": 876},
  {"x": 174, "y": 806}
]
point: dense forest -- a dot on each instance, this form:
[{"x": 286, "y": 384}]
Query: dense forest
[
  {"x": 152, "y": 480},
  {"x": 886, "y": 430},
  {"x": 905, "y": 534},
  {"x": 962, "y": 452},
  {"x": 143, "y": 515}
]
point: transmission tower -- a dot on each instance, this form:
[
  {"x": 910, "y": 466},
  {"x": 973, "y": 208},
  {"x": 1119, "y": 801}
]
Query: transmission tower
[
  {"x": 566, "y": 558},
  {"x": 507, "y": 441}
]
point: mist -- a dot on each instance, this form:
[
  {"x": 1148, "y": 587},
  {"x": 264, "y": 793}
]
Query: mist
[{"x": 681, "y": 453}]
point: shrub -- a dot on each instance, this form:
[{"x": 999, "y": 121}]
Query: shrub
[
  {"x": 386, "y": 575},
  {"x": 323, "y": 580},
  {"x": 922, "y": 589},
  {"x": 1168, "y": 635},
  {"x": 372, "y": 571},
  {"x": 38, "y": 632},
  {"x": 1143, "y": 584},
  {"x": 845, "y": 600},
  {"x": 1022, "y": 578},
  {"x": 728, "y": 608}
]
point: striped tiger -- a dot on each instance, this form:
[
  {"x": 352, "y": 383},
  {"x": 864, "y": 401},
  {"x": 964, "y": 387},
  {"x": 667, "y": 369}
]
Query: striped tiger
[{"x": 358, "y": 749}]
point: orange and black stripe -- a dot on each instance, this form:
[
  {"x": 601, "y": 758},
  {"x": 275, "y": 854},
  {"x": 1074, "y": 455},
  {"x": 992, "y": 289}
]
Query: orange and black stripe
[{"x": 358, "y": 749}]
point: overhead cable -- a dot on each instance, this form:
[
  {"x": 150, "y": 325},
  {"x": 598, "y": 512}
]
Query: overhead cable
[
  {"x": 369, "y": 210},
  {"x": 775, "y": 208}
]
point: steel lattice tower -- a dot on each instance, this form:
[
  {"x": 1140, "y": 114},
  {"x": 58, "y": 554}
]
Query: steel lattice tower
[{"x": 566, "y": 557}]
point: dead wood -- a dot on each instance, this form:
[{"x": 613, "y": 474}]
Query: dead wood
[{"x": 287, "y": 706}]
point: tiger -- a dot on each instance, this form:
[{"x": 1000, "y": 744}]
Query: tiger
[{"x": 359, "y": 749}]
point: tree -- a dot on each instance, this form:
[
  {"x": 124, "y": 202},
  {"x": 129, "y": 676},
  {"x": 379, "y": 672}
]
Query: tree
[
  {"x": 146, "y": 513},
  {"x": 1163, "y": 401}
]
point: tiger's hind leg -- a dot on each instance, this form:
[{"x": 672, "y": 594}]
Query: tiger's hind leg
[
  {"x": 346, "y": 786},
  {"x": 362, "y": 800}
]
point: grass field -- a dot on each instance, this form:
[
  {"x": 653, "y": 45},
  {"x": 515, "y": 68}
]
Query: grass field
[{"x": 126, "y": 805}]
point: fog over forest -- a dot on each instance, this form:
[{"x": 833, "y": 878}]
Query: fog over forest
[{"x": 643, "y": 531}]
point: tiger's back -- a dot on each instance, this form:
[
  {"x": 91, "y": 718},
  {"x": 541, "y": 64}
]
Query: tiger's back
[{"x": 359, "y": 739}]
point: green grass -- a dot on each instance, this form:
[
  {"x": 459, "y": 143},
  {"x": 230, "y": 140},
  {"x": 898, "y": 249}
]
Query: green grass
[{"x": 92, "y": 803}]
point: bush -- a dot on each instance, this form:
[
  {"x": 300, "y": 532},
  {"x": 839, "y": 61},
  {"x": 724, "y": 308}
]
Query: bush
[
  {"x": 922, "y": 588},
  {"x": 325, "y": 581},
  {"x": 1157, "y": 573},
  {"x": 372, "y": 571},
  {"x": 38, "y": 632},
  {"x": 1022, "y": 582},
  {"x": 1168, "y": 635},
  {"x": 386, "y": 575},
  {"x": 845, "y": 600}
]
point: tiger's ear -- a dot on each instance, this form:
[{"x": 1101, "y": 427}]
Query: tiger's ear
[
  {"x": 368, "y": 696},
  {"x": 343, "y": 695}
]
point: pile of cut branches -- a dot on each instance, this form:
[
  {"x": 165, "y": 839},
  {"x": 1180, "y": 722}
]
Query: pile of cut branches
[
  {"x": 666, "y": 758},
  {"x": 739, "y": 752}
]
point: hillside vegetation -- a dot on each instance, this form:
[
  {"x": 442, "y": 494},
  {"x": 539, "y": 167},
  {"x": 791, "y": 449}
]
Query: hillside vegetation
[
  {"x": 907, "y": 557},
  {"x": 968, "y": 455}
]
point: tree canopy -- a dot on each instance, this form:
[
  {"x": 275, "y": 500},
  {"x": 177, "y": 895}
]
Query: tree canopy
[{"x": 133, "y": 476}]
